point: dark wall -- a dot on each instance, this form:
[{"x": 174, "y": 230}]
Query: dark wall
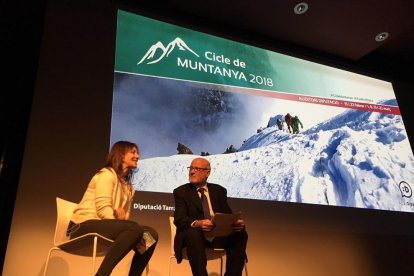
[
  {"x": 21, "y": 32},
  {"x": 404, "y": 91}
]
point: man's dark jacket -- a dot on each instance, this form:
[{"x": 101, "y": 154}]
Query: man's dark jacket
[{"x": 188, "y": 208}]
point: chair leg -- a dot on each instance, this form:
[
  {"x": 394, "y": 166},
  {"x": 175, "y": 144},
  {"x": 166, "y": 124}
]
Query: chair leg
[
  {"x": 147, "y": 270},
  {"x": 221, "y": 266},
  {"x": 169, "y": 264},
  {"x": 95, "y": 242},
  {"x": 47, "y": 260}
]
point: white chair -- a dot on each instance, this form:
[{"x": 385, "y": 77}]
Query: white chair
[
  {"x": 89, "y": 245},
  {"x": 211, "y": 253}
]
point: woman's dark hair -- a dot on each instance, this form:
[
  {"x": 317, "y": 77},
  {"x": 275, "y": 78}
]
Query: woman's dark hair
[{"x": 117, "y": 153}]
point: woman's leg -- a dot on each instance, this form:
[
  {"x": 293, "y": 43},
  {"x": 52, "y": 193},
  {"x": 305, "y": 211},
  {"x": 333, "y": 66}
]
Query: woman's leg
[
  {"x": 139, "y": 262},
  {"x": 126, "y": 234}
]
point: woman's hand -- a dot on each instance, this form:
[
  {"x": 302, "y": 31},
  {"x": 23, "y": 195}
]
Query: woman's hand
[
  {"x": 141, "y": 245},
  {"x": 120, "y": 213}
]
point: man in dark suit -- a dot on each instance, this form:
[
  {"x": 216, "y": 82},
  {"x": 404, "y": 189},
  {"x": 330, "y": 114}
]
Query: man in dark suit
[{"x": 193, "y": 222}]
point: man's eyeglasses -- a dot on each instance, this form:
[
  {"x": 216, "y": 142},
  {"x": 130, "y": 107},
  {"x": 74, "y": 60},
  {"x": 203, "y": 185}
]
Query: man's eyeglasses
[{"x": 197, "y": 169}]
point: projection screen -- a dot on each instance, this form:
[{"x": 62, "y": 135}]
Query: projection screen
[{"x": 180, "y": 90}]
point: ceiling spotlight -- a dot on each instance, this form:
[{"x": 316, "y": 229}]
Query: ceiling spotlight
[
  {"x": 382, "y": 36},
  {"x": 301, "y": 8}
]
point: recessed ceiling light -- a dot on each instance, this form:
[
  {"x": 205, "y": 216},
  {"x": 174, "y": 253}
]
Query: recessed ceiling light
[
  {"x": 382, "y": 36},
  {"x": 301, "y": 8}
]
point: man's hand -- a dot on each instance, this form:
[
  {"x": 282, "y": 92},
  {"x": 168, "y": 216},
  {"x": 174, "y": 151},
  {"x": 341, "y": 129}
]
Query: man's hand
[
  {"x": 238, "y": 225},
  {"x": 205, "y": 224}
]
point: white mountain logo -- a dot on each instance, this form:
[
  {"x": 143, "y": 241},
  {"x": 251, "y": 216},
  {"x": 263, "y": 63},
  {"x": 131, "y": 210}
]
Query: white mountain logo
[{"x": 149, "y": 56}]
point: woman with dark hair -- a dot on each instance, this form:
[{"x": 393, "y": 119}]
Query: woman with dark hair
[{"x": 105, "y": 209}]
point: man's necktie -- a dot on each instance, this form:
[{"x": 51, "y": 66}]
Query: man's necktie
[{"x": 206, "y": 209}]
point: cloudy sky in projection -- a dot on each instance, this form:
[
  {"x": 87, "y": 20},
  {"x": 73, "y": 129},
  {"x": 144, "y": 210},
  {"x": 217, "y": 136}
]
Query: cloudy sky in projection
[{"x": 158, "y": 113}]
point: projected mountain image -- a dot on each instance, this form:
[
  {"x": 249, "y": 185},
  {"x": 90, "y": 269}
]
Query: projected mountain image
[
  {"x": 354, "y": 159},
  {"x": 158, "y": 114}
]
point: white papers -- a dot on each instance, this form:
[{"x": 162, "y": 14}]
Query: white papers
[
  {"x": 149, "y": 240},
  {"x": 223, "y": 224}
]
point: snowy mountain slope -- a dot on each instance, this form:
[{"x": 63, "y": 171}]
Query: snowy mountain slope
[{"x": 356, "y": 159}]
